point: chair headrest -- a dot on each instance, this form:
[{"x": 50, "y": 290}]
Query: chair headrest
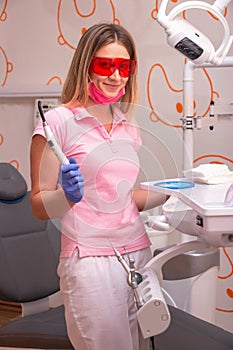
[{"x": 13, "y": 187}]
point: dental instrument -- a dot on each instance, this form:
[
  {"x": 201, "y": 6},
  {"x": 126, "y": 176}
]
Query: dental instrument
[
  {"x": 134, "y": 277},
  {"x": 153, "y": 315},
  {"x": 158, "y": 222},
  {"x": 187, "y": 39},
  {"x": 51, "y": 139}
]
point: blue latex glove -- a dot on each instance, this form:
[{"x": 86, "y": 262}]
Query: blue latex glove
[{"x": 72, "y": 181}]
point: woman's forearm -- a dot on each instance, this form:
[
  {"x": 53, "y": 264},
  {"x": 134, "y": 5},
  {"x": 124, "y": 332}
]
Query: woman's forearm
[
  {"x": 47, "y": 199},
  {"x": 50, "y": 204},
  {"x": 146, "y": 200}
]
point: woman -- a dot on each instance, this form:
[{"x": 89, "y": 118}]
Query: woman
[{"x": 93, "y": 194}]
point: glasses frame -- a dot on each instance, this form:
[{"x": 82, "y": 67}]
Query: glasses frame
[{"x": 114, "y": 64}]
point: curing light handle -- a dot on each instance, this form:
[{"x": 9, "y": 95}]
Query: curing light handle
[{"x": 51, "y": 139}]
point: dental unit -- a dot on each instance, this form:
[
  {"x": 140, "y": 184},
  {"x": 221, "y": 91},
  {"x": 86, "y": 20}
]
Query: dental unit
[{"x": 203, "y": 210}]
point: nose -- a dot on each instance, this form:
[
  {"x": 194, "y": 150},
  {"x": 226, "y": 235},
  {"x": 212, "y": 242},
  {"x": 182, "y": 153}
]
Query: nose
[{"x": 115, "y": 75}]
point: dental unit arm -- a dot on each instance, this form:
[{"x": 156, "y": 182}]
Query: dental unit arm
[
  {"x": 187, "y": 39},
  {"x": 153, "y": 315}
]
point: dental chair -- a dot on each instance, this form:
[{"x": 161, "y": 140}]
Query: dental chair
[{"x": 29, "y": 254}]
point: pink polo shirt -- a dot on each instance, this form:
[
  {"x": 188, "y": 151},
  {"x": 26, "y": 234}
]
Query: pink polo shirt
[{"x": 106, "y": 216}]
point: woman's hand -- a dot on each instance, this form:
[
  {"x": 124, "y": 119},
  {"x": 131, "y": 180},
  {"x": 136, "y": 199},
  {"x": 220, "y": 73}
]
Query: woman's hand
[{"x": 72, "y": 181}]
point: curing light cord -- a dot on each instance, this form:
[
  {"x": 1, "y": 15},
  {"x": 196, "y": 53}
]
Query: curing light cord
[{"x": 41, "y": 112}]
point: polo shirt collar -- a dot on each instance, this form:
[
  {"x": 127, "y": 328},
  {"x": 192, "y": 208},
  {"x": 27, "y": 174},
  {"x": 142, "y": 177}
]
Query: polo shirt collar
[{"x": 81, "y": 113}]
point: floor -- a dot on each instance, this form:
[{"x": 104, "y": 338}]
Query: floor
[
  {"x": 8, "y": 312},
  {"x": 7, "y": 315},
  {"x": 3, "y": 348}
]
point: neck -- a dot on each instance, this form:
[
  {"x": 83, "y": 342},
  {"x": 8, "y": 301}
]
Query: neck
[{"x": 101, "y": 112}]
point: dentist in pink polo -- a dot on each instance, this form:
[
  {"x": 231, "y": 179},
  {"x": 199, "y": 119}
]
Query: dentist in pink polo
[{"x": 94, "y": 194}]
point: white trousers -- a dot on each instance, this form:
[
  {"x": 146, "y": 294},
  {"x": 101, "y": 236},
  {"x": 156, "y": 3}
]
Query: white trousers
[{"x": 99, "y": 304}]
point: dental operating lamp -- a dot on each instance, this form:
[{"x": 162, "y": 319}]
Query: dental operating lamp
[{"x": 190, "y": 41}]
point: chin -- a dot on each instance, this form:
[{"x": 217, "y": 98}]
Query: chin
[{"x": 110, "y": 94}]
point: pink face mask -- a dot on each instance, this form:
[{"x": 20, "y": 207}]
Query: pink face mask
[{"x": 98, "y": 97}]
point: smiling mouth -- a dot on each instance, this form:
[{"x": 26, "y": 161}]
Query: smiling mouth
[{"x": 113, "y": 88}]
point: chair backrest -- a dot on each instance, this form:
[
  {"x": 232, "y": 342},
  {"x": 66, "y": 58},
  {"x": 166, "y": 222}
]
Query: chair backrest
[{"x": 29, "y": 247}]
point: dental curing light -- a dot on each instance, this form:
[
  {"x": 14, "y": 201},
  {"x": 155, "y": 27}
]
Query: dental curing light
[
  {"x": 51, "y": 139},
  {"x": 187, "y": 39}
]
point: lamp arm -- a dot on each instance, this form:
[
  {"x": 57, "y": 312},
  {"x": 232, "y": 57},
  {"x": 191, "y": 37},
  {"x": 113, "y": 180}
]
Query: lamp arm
[{"x": 221, "y": 4}]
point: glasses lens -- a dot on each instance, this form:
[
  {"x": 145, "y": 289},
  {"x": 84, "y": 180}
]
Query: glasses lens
[
  {"x": 106, "y": 66},
  {"x": 126, "y": 67},
  {"x": 102, "y": 66}
]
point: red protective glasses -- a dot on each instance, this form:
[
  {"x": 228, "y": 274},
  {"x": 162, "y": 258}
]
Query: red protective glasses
[{"x": 106, "y": 66}]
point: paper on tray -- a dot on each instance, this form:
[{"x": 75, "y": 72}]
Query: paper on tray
[{"x": 210, "y": 174}]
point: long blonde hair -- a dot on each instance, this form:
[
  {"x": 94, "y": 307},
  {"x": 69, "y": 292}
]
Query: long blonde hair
[{"x": 75, "y": 89}]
